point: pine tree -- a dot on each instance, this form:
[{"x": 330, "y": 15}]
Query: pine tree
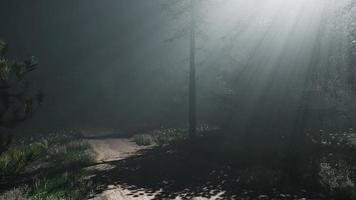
[{"x": 17, "y": 101}]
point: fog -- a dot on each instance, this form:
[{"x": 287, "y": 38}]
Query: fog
[
  {"x": 115, "y": 63},
  {"x": 178, "y": 99}
]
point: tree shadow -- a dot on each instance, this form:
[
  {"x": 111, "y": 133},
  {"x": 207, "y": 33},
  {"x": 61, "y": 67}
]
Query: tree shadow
[{"x": 181, "y": 170}]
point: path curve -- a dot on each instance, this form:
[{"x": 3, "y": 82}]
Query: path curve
[
  {"x": 117, "y": 149},
  {"x": 113, "y": 148}
]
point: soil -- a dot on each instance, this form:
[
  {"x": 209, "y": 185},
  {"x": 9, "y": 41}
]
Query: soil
[{"x": 114, "y": 149}]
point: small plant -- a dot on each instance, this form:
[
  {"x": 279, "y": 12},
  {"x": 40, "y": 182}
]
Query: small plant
[
  {"x": 62, "y": 161},
  {"x": 68, "y": 185},
  {"x": 144, "y": 140},
  {"x": 74, "y": 152},
  {"x": 15, "y": 159},
  {"x": 15, "y": 194},
  {"x": 337, "y": 179},
  {"x": 160, "y": 137},
  {"x": 5, "y": 141}
]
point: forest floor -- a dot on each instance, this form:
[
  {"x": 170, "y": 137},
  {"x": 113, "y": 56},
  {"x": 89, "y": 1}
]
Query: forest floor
[
  {"x": 161, "y": 164},
  {"x": 127, "y": 171},
  {"x": 116, "y": 149},
  {"x": 111, "y": 150}
]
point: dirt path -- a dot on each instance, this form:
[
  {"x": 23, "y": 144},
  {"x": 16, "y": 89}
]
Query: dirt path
[
  {"x": 118, "y": 149},
  {"x": 113, "y": 149},
  {"x": 110, "y": 150}
]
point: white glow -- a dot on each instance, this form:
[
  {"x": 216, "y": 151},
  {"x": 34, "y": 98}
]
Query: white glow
[
  {"x": 272, "y": 44},
  {"x": 271, "y": 24}
]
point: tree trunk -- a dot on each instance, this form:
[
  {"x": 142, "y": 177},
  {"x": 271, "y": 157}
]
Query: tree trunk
[{"x": 192, "y": 85}]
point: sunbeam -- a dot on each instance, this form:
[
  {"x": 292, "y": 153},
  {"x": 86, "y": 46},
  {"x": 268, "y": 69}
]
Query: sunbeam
[{"x": 178, "y": 99}]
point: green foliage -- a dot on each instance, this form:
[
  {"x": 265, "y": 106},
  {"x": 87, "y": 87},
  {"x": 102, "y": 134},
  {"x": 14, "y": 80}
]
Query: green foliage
[
  {"x": 353, "y": 143},
  {"x": 15, "y": 159},
  {"x": 160, "y": 137},
  {"x": 144, "y": 139},
  {"x": 17, "y": 67},
  {"x": 15, "y": 194},
  {"x": 12, "y": 75},
  {"x": 336, "y": 163},
  {"x": 61, "y": 160},
  {"x": 3, "y": 47},
  {"x": 5, "y": 141},
  {"x": 337, "y": 180},
  {"x": 74, "y": 153},
  {"x": 65, "y": 153},
  {"x": 166, "y": 136},
  {"x": 68, "y": 185}
]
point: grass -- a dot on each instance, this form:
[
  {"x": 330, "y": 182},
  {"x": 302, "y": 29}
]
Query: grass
[
  {"x": 353, "y": 141},
  {"x": 15, "y": 194},
  {"x": 144, "y": 140},
  {"x": 71, "y": 153},
  {"x": 15, "y": 159},
  {"x": 165, "y": 136},
  {"x": 68, "y": 185},
  {"x": 337, "y": 170},
  {"x": 58, "y": 164},
  {"x": 160, "y": 137},
  {"x": 56, "y": 167},
  {"x": 336, "y": 178}
]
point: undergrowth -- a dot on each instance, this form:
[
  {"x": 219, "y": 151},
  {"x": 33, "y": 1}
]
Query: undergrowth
[
  {"x": 165, "y": 136},
  {"x": 17, "y": 158},
  {"x": 160, "y": 137},
  {"x": 47, "y": 168}
]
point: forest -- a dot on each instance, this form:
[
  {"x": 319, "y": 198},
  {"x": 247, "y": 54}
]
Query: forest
[{"x": 178, "y": 99}]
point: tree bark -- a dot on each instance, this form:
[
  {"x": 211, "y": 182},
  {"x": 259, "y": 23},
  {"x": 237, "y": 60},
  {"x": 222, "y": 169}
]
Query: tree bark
[{"x": 192, "y": 78}]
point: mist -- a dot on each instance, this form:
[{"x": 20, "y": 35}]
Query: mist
[{"x": 250, "y": 83}]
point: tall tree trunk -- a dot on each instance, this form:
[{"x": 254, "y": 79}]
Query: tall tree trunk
[{"x": 192, "y": 84}]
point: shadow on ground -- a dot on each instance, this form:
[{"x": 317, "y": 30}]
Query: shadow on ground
[{"x": 182, "y": 171}]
